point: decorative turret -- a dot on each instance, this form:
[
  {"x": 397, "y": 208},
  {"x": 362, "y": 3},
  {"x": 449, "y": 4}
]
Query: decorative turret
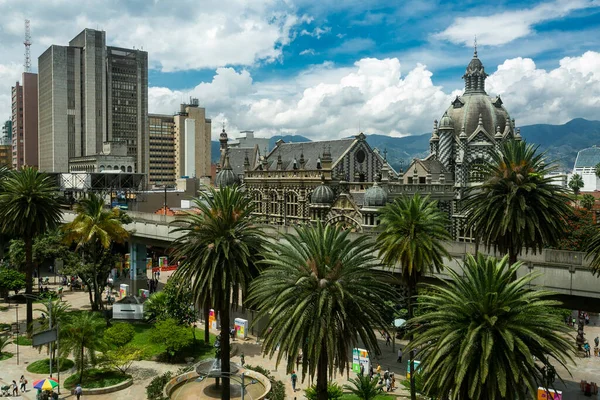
[
  {"x": 475, "y": 75},
  {"x": 279, "y": 163},
  {"x": 222, "y": 145},
  {"x": 246, "y": 161},
  {"x": 226, "y": 177},
  {"x": 498, "y": 135},
  {"x": 302, "y": 160},
  {"x": 518, "y": 134},
  {"x": 326, "y": 160},
  {"x": 375, "y": 196},
  {"x": 322, "y": 194}
]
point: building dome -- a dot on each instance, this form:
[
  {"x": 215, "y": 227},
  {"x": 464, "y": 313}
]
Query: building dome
[
  {"x": 323, "y": 194},
  {"x": 375, "y": 196},
  {"x": 446, "y": 122},
  {"x": 226, "y": 176}
]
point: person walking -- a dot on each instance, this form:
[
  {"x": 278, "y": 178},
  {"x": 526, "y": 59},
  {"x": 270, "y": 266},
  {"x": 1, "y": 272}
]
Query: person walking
[
  {"x": 23, "y": 382},
  {"x": 78, "y": 391},
  {"x": 371, "y": 372},
  {"x": 388, "y": 339},
  {"x": 15, "y": 389},
  {"x": 597, "y": 341},
  {"x": 242, "y": 359},
  {"x": 399, "y": 355},
  {"x": 294, "y": 380}
]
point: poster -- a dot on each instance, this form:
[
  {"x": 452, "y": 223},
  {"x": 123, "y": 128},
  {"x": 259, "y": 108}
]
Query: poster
[
  {"x": 241, "y": 328},
  {"x": 123, "y": 290},
  {"x": 548, "y": 394},
  {"x": 360, "y": 357},
  {"x": 212, "y": 319},
  {"x": 148, "y": 263},
  {"x": 408, "y": 367},
  {"x": 163, "y": 262}
]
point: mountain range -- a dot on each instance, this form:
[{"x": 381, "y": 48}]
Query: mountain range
[{"x": 561, "y": 142}]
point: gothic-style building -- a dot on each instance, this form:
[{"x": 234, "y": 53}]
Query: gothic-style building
[{"x": 347, "y": 182}]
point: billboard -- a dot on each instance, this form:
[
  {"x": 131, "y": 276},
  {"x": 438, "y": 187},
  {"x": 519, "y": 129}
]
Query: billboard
[{"x": 360, "y": 357}]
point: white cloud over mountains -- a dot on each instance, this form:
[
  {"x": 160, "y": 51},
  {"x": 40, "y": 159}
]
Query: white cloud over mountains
[{"x": 326, "y": 102}]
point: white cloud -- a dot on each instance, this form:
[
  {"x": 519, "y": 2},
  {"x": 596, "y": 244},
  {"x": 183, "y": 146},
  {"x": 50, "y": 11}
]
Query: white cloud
[
  {"x": 317, "y": 32},
  {"x": 329, "y": 102},
  {"x": 307, "y": 52},
  {"x": 504, "y": 27}
]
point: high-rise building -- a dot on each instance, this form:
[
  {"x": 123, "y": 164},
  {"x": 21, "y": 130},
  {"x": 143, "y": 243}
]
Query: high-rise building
[
  {"x": 6, "y": 138},
  {"x": 6, "y": 155},
  {"x": 91, "y": 94},
  {"x": 192, "y": 141},
  {"x": 162, "y": 150},
  {"x": 25, "y": 121}
]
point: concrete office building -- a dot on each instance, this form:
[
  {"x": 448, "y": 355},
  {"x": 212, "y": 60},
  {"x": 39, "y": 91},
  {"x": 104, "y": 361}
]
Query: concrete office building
[
  {"x": 162, "y": 150},
  {"x": 90, "y": 94},
  {"x": 25, "y": 122},
  {"x": 248, "y": 141},
  {"x": 192, "y": 141}
]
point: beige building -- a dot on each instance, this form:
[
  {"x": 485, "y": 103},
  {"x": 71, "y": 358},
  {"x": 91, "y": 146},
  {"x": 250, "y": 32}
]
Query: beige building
[
  {"x": 162, "y": 150},
  {"x": 192, "y": 141},
  {"x": 5, "y": 155},
  {"x": 25, "y": 122}
]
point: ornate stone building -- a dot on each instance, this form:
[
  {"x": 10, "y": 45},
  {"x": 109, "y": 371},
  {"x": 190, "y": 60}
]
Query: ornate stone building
[{"x": 347, "y": 182}]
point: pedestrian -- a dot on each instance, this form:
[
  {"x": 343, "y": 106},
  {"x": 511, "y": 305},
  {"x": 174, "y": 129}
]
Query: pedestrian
[
  {"x": 23, "y": 382},
  {"x": 393, "y": 381},
  {"x": 78, "y": 391},
  {"x": 388, "y": 384},
  {"x": 378, "y": 369},
  {"x": 294, "y": 380},
  {"x": 399, "y": 355},
  {"x": 232, "y": 334},
  {"x": 242, "y": 359},
  {"x": 15, "y": 388},
  {"x": 597, "y": 341},
  {"x": 388, "y": 339},
  {"x": 362, "y": 369},
  {"x": 371, "y": 372}
]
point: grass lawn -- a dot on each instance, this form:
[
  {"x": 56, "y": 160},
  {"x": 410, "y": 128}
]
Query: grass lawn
[
  {"x": 43, "y": 366},
  {"x": 96, "y": 378},
  {"x": 5, "y": 355},
  {"x": 142, "y": 339},
  {"x": 23, "y": 341},
  {"x": 380, "y": 397}
]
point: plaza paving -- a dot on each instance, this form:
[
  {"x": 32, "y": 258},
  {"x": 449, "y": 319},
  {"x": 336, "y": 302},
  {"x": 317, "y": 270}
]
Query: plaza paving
[{"x": 143, "y": 371}]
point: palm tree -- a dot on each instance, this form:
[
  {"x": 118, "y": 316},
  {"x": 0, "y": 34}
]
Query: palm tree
[
  {"x": 321, "y": 294},
  {"x": 56, "y": 311},
  {"x": 155, "y": 307},
  {"x": 576, "y": 183},
  {"x": 364, "y": 387},
  {"x": 28, "y": 207},
  {"x": 5, "y": 340},
  {"x": 83, "y": 332},
  {"x": 517, "y": 206},
  {"x": 588, "y": 201},
  {"x": 413, "y": 231},
  {"x": 216, "y": 251},
  {"x": 94, "y": 230},
  {"x": 482, "y": 332}
]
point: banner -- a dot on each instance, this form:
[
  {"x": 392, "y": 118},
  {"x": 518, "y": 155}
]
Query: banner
[
  {"x": 360, "y": 357},
  {"x": 408, "y": 367},
  {"x": 212, "y": 319},
  {"x": 241, "y": 328},
  {"x": 148, "y": 263},
  {"x": 163, "y": 262},
  {"x": 548, "y": 394}
]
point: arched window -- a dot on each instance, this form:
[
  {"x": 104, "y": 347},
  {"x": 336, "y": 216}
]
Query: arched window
[
  {"x": 108, "y": 167},
  {"x": 122, "y": 168},
  {"x": 273, "y": 204},
  {"x": 475, "y": 170},
  {"x": 291, "y": 204},
  {"x": 257, "y": 201},
  {"x": 101, "y": 168},
  {"x": 116, "y": 167},
  {"x": 129, "y": 169}
]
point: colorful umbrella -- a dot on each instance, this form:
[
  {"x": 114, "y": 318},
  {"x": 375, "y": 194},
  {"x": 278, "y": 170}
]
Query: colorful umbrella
[{"x": 45, "y": 384}]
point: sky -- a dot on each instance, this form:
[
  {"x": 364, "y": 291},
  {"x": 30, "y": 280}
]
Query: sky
[{"x": 331, "y": 68}]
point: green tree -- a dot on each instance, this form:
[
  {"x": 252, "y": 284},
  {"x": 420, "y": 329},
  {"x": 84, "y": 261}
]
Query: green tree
[
  {"x": 119, "y": 334},
  {"x": 4, "y": 341},
  {"x": 10, "y": 279},
  {"x": 94, "y": 230},
  {"x": 29, "y": 207},
  {"x": 121, "y": 358},
  {"x": 172, "y": 335},
  {"x": 46, "y": 249},
  {"x": 82, "y": 332},
  {"x": 580, "y": 228},
  {"x": 588, "y": 201},
  {"x": 322, "y": 294},
  {"x": 412, "y": 236},
  {"x": 216, "y": 251},
  {"x": 56, "y": 311},
  {"x": 517, "y": 206},
  {"x": 576, "y": 184},
  {"x": 155, "y": 307},
  {"x": 484, "y": 330},
  {"x": 364, "y": 387}
]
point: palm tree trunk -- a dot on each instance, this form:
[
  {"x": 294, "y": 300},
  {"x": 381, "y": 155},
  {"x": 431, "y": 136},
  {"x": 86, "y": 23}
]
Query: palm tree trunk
[
  {"x": 92, "y": 304},
  {"x": 322, "y": 374},
  {"x": 225, "y": 367},
  {"x": 512, "y": 256},
  {"x": 81, "y": 364},
  {"x": 206, "y": 324},
  {"x": 29, "y": 281},
  {"x": 411, "y": 289}
]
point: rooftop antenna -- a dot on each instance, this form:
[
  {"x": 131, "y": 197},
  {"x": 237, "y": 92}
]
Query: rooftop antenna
[{"x": 27, "y": 43}]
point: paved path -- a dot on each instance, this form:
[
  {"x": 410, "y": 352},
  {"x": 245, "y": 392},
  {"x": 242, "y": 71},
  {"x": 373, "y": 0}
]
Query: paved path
[{"x": 143, "y": 371}]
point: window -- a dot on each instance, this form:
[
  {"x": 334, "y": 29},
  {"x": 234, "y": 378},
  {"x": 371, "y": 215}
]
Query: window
[
  {"x": 422, "y": 179},
  {"x": 475, "y": 171},
  {"x": 291, "y": 200},
  {"x": 273, "y": 203}
]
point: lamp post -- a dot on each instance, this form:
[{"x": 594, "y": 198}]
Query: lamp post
[{"x": 17, "y": 312}]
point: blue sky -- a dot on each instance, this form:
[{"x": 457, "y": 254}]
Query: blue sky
[{"x": 322, "y": 68}]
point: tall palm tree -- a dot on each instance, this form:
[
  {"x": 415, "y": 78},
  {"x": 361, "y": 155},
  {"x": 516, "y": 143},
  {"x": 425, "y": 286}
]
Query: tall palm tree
[
  {"x": 57, "y": 312},
  {"x": 216, "y": 251},
  {"x": 94, "y": 230},
  {"x": 83, "y": 332},
  {"x": 576, "y": 184},
  {"x": 321, "y": 294},
  {"x": 29, "y": 207},
  {"x": 481, "y": 333},
  {"x": 517, "y": 205},
  {"x": 413, "y": 232}
]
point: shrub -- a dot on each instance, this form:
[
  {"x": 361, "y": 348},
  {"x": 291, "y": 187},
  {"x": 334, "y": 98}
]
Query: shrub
[
  {"x": 175, "y": 337},
  {"x": 334, "y": 391},
  {"x": 119, "y": 334},
  {"x": 154, "y": 391}
]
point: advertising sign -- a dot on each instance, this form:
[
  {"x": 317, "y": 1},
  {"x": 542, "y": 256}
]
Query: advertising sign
[
  {"x": 163, "y": 262},
  {"x": 241, "y": 328},
  {"x": 212, "y": 319},
  {"x": 123, "y": 290},
  {"x": 408, "y": 367},
  {"x": 360, "y": 357},
  {"x": 148, "y": 263},
  {"x": 548, "y": 394}
]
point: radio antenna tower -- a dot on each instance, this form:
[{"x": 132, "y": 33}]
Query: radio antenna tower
[{"x": 27, "y": 44}]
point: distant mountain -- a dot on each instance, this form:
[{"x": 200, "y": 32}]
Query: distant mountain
[{"x": 562, "y": 142}]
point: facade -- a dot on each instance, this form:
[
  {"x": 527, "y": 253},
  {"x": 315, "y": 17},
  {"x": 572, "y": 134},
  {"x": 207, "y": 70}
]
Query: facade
[
  {"x": 6, "y": 138},
  {"x": 90, "y": 94},
  {"x": 6, "y": 155},
  {"x": 25, "y": 121},
  {"x": 161, "y": 150},
  {"x": 347, "y": 182},
  {"x": 192, "y": 141},
  {"x": 585, "y": 166},
  {"x": 113, "y": 158}
]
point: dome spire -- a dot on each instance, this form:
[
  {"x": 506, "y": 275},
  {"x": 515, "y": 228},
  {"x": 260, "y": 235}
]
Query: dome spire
[
  {"x": 475, "y": 47},
  {"x": 475, "y": 75}
]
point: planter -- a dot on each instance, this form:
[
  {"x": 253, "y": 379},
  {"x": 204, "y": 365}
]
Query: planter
[{"x": 108, "y": 389}]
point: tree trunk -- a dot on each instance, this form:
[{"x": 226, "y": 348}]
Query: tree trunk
[
  {"x": 225, "y": 367},
  {"x": 81, "y": 364},
  {"x": 29, "y": 281},
  {"x": 411, "y": 289},
  {"x": 97, "y": 293},
  {"x": 322, "y": 374},
  {"x": 206, "y": 323},
  {"x": 512, "y": 256},
  {"x": 92, "y": 304}
]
